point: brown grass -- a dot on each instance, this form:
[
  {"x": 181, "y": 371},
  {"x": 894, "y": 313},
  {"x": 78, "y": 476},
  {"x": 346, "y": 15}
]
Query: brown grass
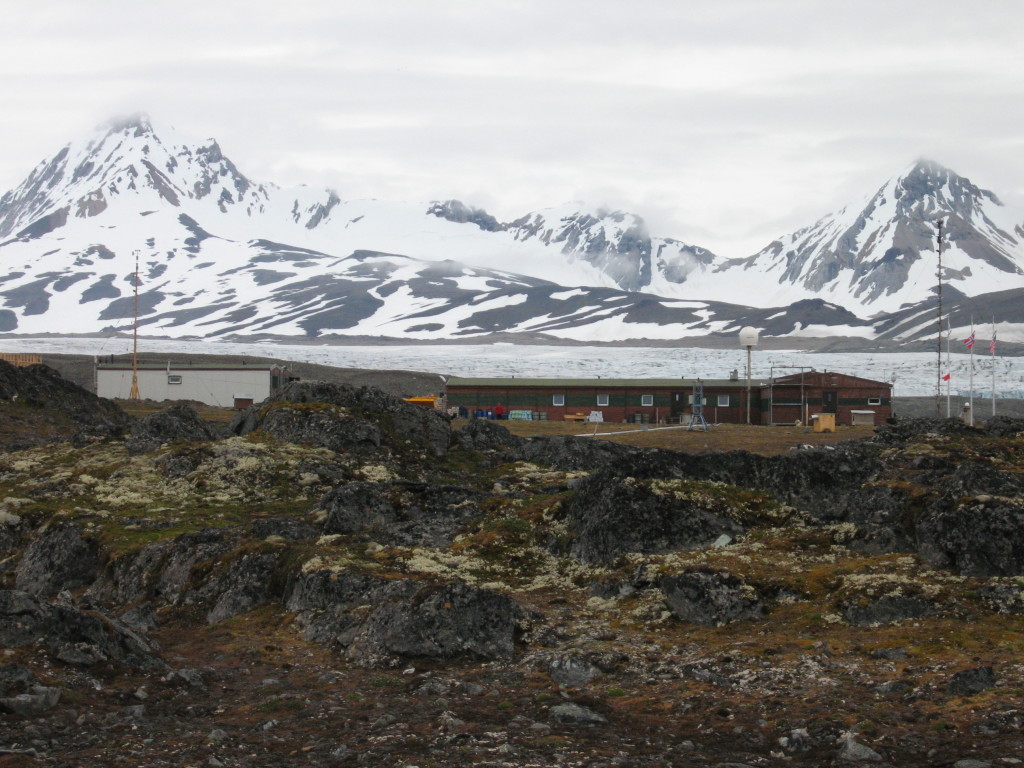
[{"x": 724, "y": 437}]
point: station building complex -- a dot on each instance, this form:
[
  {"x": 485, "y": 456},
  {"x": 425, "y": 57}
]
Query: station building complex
[{"x": 782, "y": 400}]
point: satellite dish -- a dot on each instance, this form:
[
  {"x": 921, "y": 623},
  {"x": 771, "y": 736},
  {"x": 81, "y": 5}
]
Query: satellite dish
[{"x": 748, "y": 336}]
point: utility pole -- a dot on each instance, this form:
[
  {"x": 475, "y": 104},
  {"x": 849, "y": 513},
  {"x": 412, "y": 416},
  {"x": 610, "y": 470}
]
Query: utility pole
[{"x": 938, "y": 343}]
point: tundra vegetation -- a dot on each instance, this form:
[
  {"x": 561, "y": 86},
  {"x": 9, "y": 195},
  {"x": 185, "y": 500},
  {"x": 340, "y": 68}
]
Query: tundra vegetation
[{"x": 338, "y": 577}]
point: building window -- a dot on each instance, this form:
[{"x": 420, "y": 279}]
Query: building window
[
  {"x": 723, "y": 401},
  {"x": 602, "y": 400},
  {"x": 173, "y": 379},
  {"x": 558, "y": 400},
  {"x": 647, "y": 400},
  {"x": 874, "y": 401}
]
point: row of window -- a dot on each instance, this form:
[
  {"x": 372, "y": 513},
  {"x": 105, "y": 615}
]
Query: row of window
[{"x": 645, "y": 400}]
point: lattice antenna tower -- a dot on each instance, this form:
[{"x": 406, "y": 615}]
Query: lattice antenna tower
[{"x": 697, "y": 420}]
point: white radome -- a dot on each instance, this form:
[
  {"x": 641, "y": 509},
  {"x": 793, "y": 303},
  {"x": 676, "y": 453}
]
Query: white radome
[{"x": 748, "y": 336}]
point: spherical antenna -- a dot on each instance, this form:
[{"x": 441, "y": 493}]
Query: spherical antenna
[{"x": 748, "y": 336}]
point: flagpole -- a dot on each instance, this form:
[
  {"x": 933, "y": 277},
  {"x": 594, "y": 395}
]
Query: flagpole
[
  {"x": 970, "y": 400},
  {"x": 992, "y": 350},
  {"x": 949, "y": 371},
  {"x": 938, "y": 367}
]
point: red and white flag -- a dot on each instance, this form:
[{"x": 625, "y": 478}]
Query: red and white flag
[
  {"x": 969, "y": 341},
  {"x": 946, "y": 377}
]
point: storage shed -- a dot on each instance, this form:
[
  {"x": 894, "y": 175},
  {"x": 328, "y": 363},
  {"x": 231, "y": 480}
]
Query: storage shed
[{"x": 229, "y": 386}]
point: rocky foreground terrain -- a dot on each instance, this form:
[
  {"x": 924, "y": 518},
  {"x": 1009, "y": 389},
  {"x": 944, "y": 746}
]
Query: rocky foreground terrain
[{"x": 341, "y": 579}]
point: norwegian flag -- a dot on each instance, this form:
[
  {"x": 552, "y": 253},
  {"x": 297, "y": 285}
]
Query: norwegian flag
[
  {"x": 946, "y": 377},
  {"x": 969, "y": 341}
]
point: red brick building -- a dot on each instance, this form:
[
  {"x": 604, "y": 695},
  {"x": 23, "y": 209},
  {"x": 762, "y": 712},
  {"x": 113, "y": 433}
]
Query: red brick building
[
  {"x": 802, "y": 395},
  {"x": 649, "y": 401}
]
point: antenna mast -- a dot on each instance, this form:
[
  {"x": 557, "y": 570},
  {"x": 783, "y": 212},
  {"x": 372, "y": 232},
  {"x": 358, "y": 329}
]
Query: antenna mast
[
  {"x": 938, "y": 343},
  {"x": 134, "y": 393}
]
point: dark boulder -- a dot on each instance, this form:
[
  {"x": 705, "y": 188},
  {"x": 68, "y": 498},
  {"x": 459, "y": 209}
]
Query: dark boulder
[
  {"x": 610, "y": 515},
  {"x": 976, "y": 538},
  {"x": 60, "y": 557},
  {"x": 905, "y": 430},
  {"x": 160, "y": 571},
  {"x": 446, "y": 622},
  {"x": 253, "y": 579},
  {"x": 179, "y": 423},
  {"x": 971, "y": 681},
  {"x": 374, "y": 619},
  {"x": 888, "y": 609},
  {"x": 74, "y": 636},
  {"x": 487, "y": 435},
  {"x": 571, "y": 454},
  {"x": 343, "y": 417},
  {"x": 1003, "y": 426},
  {"x": 327, "y": 427},
  {"x": 283, "y": 527},
  {"x": 401, "y": 514},
  {"x": 972, "y": 479},
  {"x": 711, "y": 599}
]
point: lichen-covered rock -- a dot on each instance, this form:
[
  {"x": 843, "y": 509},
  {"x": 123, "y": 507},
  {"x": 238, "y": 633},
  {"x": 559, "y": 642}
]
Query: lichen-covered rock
[
  {"x": 400, "y": 514},
  {"x": 710, "y": 599},
  {"x": 179, "y": 423},
  {"x": 60, "y": 557},
  {"x": 342, "y": 417},
  {"x": 1003, "y": 426}
]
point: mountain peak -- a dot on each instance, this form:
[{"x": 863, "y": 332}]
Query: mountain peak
[{"x": 138, "y": 124}]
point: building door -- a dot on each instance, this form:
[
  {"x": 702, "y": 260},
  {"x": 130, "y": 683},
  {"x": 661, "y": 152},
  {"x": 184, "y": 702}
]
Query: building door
[
  {"x": 829, "y": 400},
  {"x": 680, "y": 402}
]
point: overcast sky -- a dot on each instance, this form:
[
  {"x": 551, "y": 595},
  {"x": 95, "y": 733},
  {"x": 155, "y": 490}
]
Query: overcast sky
[{"x": 724, "y": 123}]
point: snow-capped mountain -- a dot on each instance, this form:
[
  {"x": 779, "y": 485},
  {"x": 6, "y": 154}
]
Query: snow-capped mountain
[
  {"x": 221, "y": 255},
  {"x": 881, "y": 255}
]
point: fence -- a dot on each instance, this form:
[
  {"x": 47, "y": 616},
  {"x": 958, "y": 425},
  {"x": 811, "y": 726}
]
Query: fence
[{"x": 19, "y": 359}]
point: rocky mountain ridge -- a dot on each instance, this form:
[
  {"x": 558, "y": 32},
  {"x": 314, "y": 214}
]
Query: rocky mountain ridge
[{"x": 342, "y": 578}]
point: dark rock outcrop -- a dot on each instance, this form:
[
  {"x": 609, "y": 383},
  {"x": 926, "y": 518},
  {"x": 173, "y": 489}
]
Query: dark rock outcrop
[
  {"x": 73, "y": 636},
  {"x": 968, "y": 682},
  {"x": 981, "y": 537},
  {"x": 49, "y": 408},
  {"x": 401, "y": 514},
  {"x": 375, "y": 619},
  {"x": 59, "y": 558},
  {"x": 888, "y": 609},
  {"x": 711, "y": 599},
  {"x": 179, "y": 423},
  {"x": 610, "y": 515},
  {"x": 344, "y": 418}
]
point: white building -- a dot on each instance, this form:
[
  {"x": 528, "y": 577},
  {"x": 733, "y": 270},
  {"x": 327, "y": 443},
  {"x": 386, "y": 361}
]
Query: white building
[{"x": 229, "y": 386}]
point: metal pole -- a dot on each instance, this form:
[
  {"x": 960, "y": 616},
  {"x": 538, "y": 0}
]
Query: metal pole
[
  {"x": 971, "y": 399},
  {"x": 938, "y": 367},
  {"x": 748, "y": 383}
]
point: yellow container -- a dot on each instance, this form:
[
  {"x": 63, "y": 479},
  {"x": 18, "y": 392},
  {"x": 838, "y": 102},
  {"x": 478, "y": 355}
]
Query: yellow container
[{"x": 825, "y": 422}]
